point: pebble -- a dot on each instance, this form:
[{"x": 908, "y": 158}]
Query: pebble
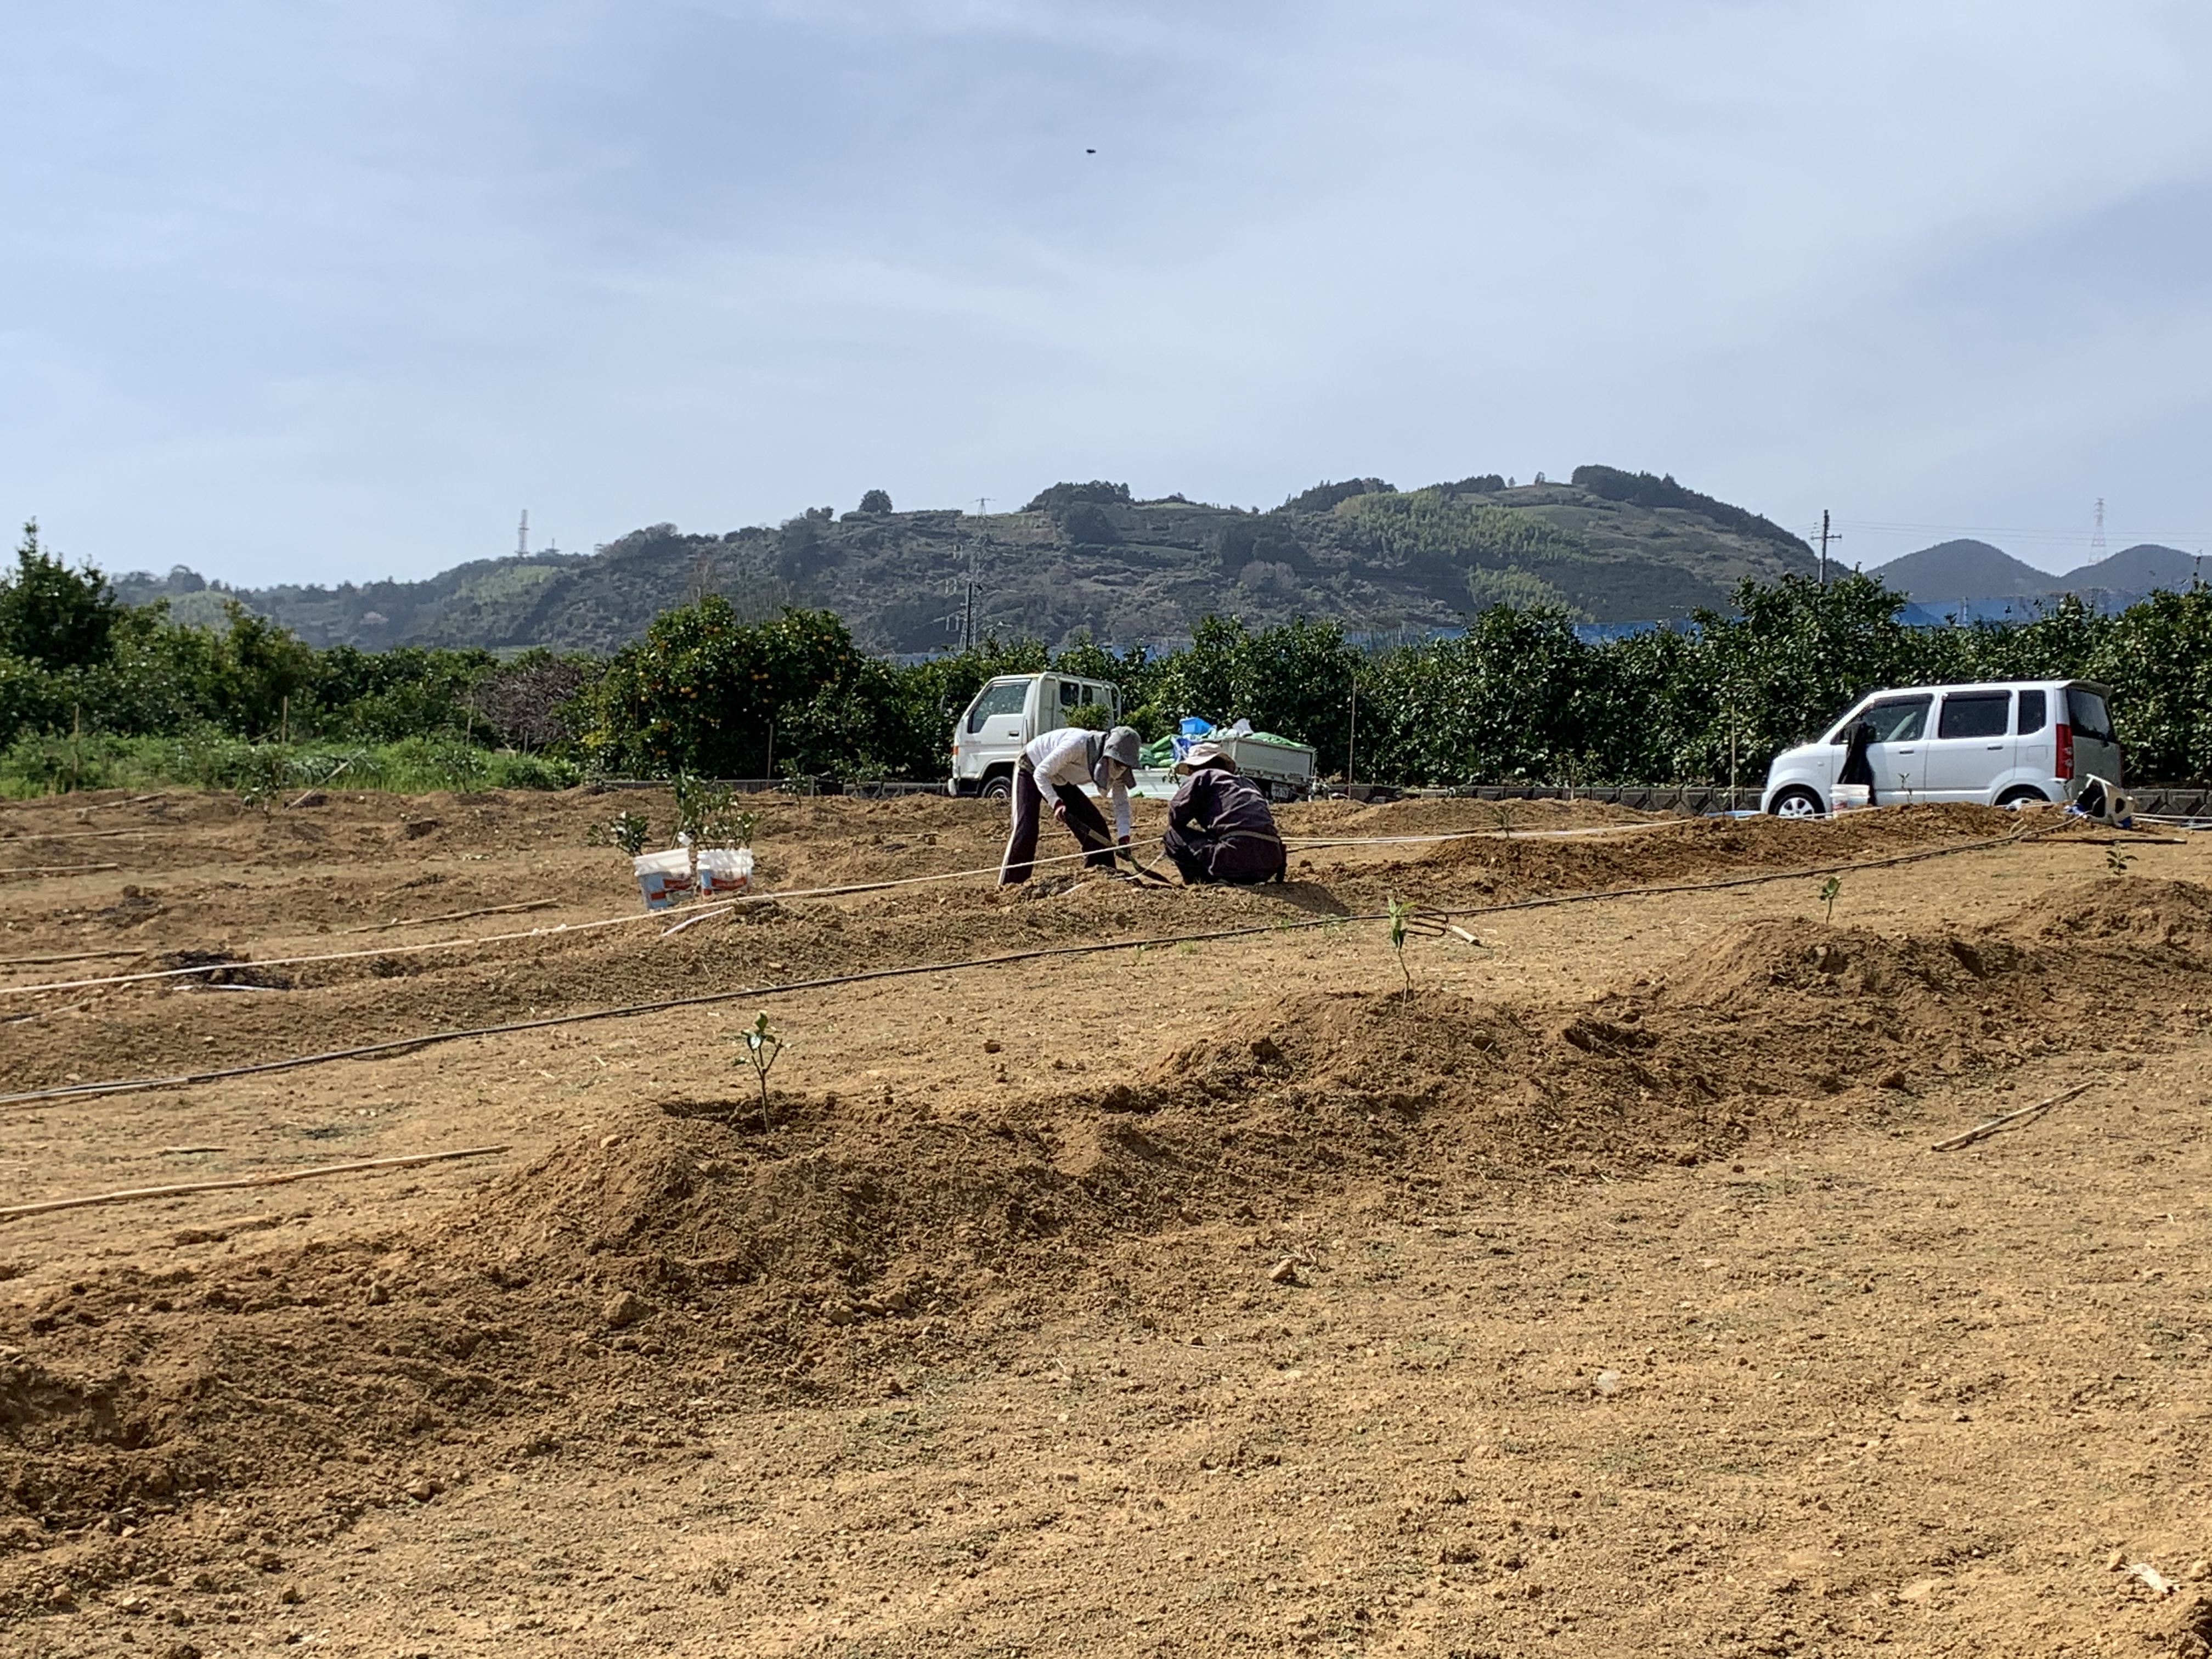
[
  {"x": 992, "y": 1046},
  {"x": 420, "y": 1491},
  {"x": 608, "y": 1141},
  {"x": 623, "y": 1307},
  {"x": 1284, "y": 1272},
  {"x": 378, "y": 1296},
  {"x": 1607, "y": 1383}
]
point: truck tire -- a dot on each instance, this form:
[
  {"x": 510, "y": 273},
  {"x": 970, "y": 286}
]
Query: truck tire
[{"x": 1000, "y": 785}]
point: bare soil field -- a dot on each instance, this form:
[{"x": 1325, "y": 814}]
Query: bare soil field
[{"x": 1602, "y": 1293}]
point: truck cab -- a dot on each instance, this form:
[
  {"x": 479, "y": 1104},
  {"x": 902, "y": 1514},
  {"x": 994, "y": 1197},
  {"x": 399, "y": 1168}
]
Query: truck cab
[{"x": 1008, "y": 714}]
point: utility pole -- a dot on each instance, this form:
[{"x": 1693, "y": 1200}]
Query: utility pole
[
  {"x": 1352, "y": 739},
  {"x": 1826, "y": 536}
]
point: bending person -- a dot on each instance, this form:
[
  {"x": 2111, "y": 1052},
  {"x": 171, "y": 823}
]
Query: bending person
[
  {"x": 1053, "y": 769},
  {"x": 1219, "y": 827}
]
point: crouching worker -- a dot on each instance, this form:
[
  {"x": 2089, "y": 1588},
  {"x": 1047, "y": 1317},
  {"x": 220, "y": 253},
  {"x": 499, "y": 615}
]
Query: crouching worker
[
  {"x": 1219, "y": 828},
  {"x": 1052, "y": 770}
]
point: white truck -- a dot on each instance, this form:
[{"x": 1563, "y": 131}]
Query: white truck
[
  {"x": 1014, "y": 709},
  {"x": 1007, "y": 713},
  {"x": 1284, "y": 769}
]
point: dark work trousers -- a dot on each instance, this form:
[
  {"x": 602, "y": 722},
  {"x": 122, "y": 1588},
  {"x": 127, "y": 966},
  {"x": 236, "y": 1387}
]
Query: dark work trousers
[
  {"x": 1088, "y": 824},
  {"x": 1242, "y": 858}
]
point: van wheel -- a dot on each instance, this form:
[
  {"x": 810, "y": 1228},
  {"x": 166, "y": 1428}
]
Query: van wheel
[
  {"x": 998, "y": 788},
  {"x": 1797, "y": 803},
  {"x": 2023, "y": 794}
]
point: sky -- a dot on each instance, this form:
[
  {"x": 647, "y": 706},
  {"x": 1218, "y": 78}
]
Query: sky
[{"x": 330, "y": 290}]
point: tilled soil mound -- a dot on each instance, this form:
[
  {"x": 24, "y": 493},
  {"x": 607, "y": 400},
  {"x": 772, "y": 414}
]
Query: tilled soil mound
[{"x": 693, "y": 1249}]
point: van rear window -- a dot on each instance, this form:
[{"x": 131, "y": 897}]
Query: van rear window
[
  {"x": 2088, "y": 715},
  {"x": 1975, "y": 715},
  {"x": 2033, "y": 712}
]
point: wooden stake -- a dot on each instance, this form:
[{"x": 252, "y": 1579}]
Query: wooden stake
[
  {"x": 133, "y": 1193},
  {"x": 1983, "y": 1131}
]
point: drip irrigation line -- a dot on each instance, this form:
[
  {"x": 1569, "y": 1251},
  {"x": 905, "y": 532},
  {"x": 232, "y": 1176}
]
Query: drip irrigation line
[
  {"x": 72, "y": 955},
  {"x": 626, "y": 921},
  {"x": 630, "y": 1011},
  {"x": 1312, "y": 843}
]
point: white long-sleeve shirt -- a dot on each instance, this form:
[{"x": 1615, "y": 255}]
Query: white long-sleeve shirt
[{"x": 1071, "y": 757}]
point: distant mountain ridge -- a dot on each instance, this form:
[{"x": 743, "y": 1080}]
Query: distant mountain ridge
[
  {"x": 1607, "y": 546},
  {"x": 1966, "y": 569}
]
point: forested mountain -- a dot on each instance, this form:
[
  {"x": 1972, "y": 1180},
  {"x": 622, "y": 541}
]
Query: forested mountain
[
  {"x": 1962, "y": 570},
  {"x": 1951, "y": 571},
  {"x": 1607, "y": 546}
]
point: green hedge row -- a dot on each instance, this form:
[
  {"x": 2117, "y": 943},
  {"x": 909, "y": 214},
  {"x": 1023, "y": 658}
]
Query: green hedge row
[{"x": 1519, "y": 698}]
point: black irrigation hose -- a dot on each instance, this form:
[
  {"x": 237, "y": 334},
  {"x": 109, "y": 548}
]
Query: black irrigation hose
[{"x": 628, "y": 1011}]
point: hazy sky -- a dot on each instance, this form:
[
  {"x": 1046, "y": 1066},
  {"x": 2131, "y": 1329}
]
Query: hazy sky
[{"x": 317, "y": 291}]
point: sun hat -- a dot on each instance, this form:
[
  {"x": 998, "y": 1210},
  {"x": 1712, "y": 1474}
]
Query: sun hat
[
  {"x": 1205, "y": 754},
  {"x": 1123, "y": 745}
]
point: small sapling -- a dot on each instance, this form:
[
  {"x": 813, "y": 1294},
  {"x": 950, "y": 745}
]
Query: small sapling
[
  {"x": 2116, "y": 861},
  {"x": 762, "y": 1045},
  {"x": 1829, "y": 889},
  {"x": 1401, "y": 913},
  {"x": 626, "y": 831}
]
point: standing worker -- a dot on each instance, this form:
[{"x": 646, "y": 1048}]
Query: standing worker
[
  {"x": 1219, "y": 827},
  {"x": 1055, "y": 767},
  {"x": 1858, "y": 767}
]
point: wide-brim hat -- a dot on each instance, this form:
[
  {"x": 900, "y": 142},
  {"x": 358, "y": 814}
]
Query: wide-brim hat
[
  {"x": 1123, "y": 745},
  {"x": 1205, "y": 754}
]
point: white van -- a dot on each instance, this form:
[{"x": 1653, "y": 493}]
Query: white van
[
  {"x": 2002, "y": 743},
  {"x": 1006, "y": 714}
]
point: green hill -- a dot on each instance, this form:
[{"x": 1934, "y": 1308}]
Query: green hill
[{"x": 1609, "y": 546}]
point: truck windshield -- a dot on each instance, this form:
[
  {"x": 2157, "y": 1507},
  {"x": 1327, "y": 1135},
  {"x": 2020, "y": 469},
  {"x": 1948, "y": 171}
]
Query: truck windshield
[
  {"x": 2090, "y": 718},
  {"x": 1006, "y": 699}
]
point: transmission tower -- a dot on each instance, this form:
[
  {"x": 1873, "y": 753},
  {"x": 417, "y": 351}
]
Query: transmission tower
[
  {"x": 2097, "y": 537},
  {"x": 522, "y": 537},
  {"x": 961, "y": 622}
]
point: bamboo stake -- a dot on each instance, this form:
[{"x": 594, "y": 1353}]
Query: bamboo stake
[
  {"x": 132, "y": 1193},
  {"x": 1983, "y": 1131},
  {"x": 53, "y": 869}
]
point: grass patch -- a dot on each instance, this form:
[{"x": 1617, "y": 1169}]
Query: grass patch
[{"x": 32, "y": 767}]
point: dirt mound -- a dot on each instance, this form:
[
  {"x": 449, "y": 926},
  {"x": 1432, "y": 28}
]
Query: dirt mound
[
  {"x": 2139, "y": 913},
  {"x": 1493, "y": 868},
  {"x": 1844, "y": 966},
  {"x": 1452, "y": 816}
]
